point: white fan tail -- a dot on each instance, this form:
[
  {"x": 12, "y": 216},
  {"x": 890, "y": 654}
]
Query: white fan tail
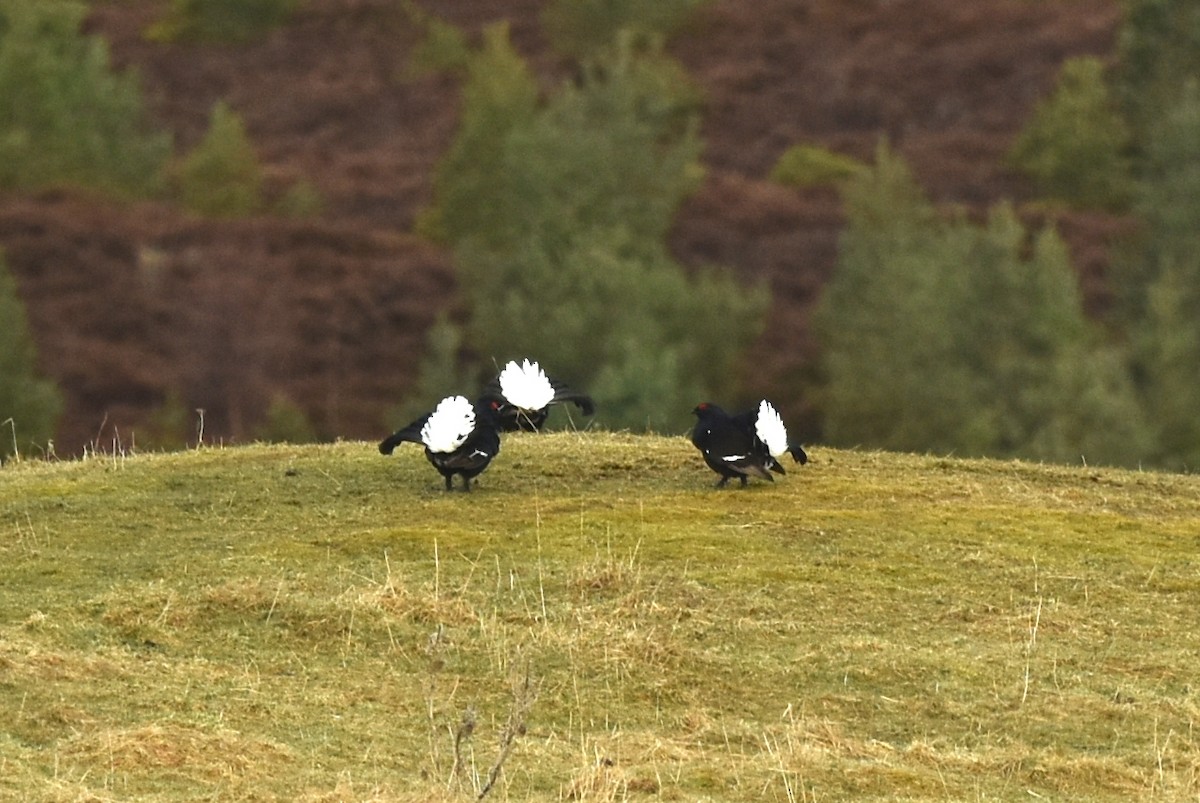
[
  {"x": 770, "y": 429},
  {"x": 526, "y": 385},
  {"x": 449, "y": 425}
]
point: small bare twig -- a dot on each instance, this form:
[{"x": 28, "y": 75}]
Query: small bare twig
[
  {"x": 524, "y": 696},
  {"x": 16, "y": 453},
  {"x": 462, "y": 734}
]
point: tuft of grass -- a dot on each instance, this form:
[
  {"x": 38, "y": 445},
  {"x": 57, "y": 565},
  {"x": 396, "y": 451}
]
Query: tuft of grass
[{"x": 595, "y": 622}]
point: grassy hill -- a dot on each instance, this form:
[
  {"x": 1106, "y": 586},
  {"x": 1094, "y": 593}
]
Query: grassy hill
[{"x": 323, "y": 623}]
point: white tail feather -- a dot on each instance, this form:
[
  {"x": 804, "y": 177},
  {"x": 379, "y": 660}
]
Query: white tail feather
[
  {"x": 770, "y": 429},
  {"x": 526, "y": 385},
  {"x": 449, "y": 425}
]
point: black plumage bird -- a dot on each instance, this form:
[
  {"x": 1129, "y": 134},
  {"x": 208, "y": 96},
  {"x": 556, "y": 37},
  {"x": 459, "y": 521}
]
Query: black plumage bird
[
  {"x": 459, "y": 438},
  {"x": 525, "y": 395},
  {"x": 743, "y": 445}
]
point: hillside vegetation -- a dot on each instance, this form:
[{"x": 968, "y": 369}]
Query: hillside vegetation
[
  {"x": 333, "y": 142},
  {"x": 595, "y": 622}
]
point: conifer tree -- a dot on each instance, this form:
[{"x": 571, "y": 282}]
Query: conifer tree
[
  {"x": 558, "y": 211},
  {"x": 945, "y": 336},
  {"x": 1158, "y": 50},
  {"x": 1167, "y": 332},
  {"x": 1157, "y": 80},
  {"x": 65, "y": 117},
  {"x": 1076, "y": 145},
  {"x": 221, "y": 176}
]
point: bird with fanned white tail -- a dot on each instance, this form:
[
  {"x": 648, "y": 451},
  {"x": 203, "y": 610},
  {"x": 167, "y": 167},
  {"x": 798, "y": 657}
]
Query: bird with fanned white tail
[
  {"x": 459, "y": 438},
  {"x": 744, "y": 445},
  {"x": 525, "y": 395}
]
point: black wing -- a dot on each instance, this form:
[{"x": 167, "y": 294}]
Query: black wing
[
  {"x": 409, "y": 434},
  {"x": 492, "y": 392},
  {"x": 513, "y": 418},
  {"x": 562, "y": 393},
  {"x": 729, "y": 444}
]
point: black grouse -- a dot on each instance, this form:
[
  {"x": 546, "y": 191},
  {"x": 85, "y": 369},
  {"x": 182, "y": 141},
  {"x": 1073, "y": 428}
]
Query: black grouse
[
  {"x": 525, "y": 395},
  {"x": 743, "y": 445},
  {"x": 459, "y": 438}
]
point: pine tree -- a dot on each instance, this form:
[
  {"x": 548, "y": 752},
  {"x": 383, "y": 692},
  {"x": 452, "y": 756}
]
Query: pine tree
[
  {"x": 65, "y": 117},
  {"x": 947, "y": 336},
  {"x": 889, "y": 347},
  {"x": 1168, "y": 333},
  {"x": 1158, "y": 49},
  {"x": 221, "y": 176},
  {"x": 499, "y": 96},
  {"x": 1158, "y": 80},
  {"x": 1075, "y": 146},
  {"x": 1171, "y": 353},
  {"x": 559, "y": 212}
]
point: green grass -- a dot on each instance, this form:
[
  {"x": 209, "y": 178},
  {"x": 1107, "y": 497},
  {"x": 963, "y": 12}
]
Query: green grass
[{"x": 318, "y": 623}]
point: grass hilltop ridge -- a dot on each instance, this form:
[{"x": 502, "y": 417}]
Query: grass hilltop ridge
[{"x": 595, "y": 622}]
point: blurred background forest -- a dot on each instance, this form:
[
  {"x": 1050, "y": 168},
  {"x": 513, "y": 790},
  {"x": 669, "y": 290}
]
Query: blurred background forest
[{"x": 966, "y": 228}]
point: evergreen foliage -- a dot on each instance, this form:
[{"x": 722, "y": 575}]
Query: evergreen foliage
[
  {"x": 1157, "y": 81},
  {"x": 29, "y": 405},
  {"x": 301, "y": 200},
  {"x": 1167, "y": 331},
  {"x": 608, "y": 154},
  {"x": 587, "y": 30},
  {"x": 443, "y": 47},
  {"x": 1075, "y": 147},
  {"x": 221, "y": 20},
  {"x": 559, "y": 213},
  {"x": 1159, "y": 48},
  {"x": 500, "y": 95},
  {"x": 1170, "y": 350},
  {"x": 65, "y": 118},
  {"x": 646, "y": 340},
  {"x": 951, "y": 337},
  {"x": 1169, "y": 194},
  {"x": 221, "y": 176},
  {"x": 813, "y": 166},
  {"x": 440, "y": 374},
  {"x": 286, "y": 422},
  {"x": 170, "y": 427}
]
